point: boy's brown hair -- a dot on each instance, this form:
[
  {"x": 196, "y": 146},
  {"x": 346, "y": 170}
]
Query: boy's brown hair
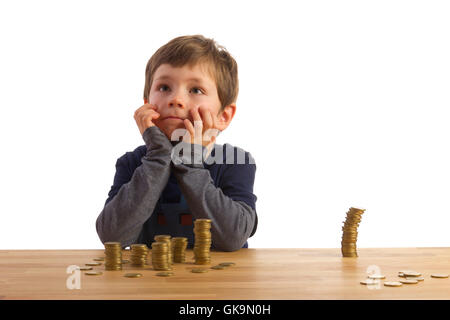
[{"x": 192, "y": 50}]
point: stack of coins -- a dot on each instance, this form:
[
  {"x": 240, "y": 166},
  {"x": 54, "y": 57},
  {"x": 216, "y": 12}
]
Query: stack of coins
[
  {"x": 160, "y": 256},
  {"x": 202, "y": 243},
  {"x": 113, "y": 256},
  {"x": 138, "y": 257},
  {"x": 179, "y": 245},
  {"x": 166, "y": 238},
  {"x": 350, "y": 232}
]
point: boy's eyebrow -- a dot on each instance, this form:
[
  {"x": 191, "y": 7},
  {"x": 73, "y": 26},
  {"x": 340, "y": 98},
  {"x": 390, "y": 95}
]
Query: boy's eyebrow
[{"x": 167, "y": 77}]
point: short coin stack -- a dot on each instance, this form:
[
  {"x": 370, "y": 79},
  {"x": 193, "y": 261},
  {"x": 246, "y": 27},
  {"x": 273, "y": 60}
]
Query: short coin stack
[
  {"x": 138, "y": 257},
  {"x": 202, "y": 245},
  {"x": 113, "y": 256},
  {"x": 167, "y": 239},
  {"x": 179, "y": 245},
  {"x": 350, "y": 232},
  {"x": 160, "y": 256}
]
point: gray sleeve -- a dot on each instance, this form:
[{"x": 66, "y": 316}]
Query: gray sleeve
[
  {"x": 232, "y": 222},
  {"x": 123, "y": 217}
]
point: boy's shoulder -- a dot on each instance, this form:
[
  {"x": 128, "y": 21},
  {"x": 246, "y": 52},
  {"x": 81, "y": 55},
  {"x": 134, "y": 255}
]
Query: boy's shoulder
[{"x": 221, "y": 155}]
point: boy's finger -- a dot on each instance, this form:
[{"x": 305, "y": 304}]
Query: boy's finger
[{"x": 207, "y": 119}]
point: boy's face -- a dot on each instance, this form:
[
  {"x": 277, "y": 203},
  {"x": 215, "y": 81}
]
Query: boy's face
[{"x": 175, "y": 91}]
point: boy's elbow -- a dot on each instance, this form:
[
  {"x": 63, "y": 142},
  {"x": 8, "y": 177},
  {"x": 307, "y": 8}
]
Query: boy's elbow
[{"x": 230, "y": 246}]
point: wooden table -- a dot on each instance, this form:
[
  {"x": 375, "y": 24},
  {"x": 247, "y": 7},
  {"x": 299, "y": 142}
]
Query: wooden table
[{"x": 259, "y": 274}]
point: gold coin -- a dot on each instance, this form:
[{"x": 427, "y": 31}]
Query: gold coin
[
  {"x": 133, "y": 275},
  {"x": 85, "y": 268},
  {"x": 227, "y": 264},
  {"x": 99, "y": 259},
  {"x": 369, "y": 281},
  {"x": 218, "y": 267},
  {"x": 376, "y": 276},
  {"x": 416, "y": 278},
  {"x": 393, "y": 284},
  {"x": 164, "y": 274},
  {"x": 199, "y": 270},
  {"x": 94, "y": 264},
  {"x": 411, "y": 273},
  {"x": 409, "y": 281},
  {"x": 93, "y": 273},
  {"x": 439, "y": 275}
]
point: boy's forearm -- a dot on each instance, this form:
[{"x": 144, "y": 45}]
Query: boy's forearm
[
  {"x": 123, "y": 217},
  {"x": 232, "y": 221}
]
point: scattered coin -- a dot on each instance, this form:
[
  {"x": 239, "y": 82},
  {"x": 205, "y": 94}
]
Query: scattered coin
[
  {"x": 85, "y": 268},
  {"x": 409, "y": 281},
  {"x": 93, "y": 273},
  {"x": 199, "y": 270},
  {"x": 393, "y": 284},
  {"x": 99, "y": 259},
  {"x": 93, "y": 264},
  {"x": 164, "y": 274},
  {"x": 439, "y": 275},
  {"x": 133, "y": 275},
  {"x": 218, "y": 267},
  {"x": 369, "y": 282},
  {"x": 227, "y": 264},
  {"x": 376, "y": 276},
  {"x": 416, "y": 278},
  {"x": 411, "y": 273}
]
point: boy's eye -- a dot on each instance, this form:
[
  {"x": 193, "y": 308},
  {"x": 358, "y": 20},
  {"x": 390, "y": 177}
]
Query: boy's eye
[
  {"x": 163, "y": 86},
  {"x": 199, "y": 90}
]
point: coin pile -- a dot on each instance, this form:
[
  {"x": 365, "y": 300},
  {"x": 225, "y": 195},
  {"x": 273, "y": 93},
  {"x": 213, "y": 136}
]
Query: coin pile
[
  {"x": 138, "y": 255},
  {"x": 202, "y": 243},
  {"x": 350, "y": 232},
  {"x": 167, "y": 239},
  {"x": 113, "y": 256},
  {"x": 179, "y": 245},
  {"x": 160, "y": 256}
]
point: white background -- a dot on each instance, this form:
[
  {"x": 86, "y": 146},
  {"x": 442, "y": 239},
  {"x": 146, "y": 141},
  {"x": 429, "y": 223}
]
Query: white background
[{"x": 342, "y": 103}]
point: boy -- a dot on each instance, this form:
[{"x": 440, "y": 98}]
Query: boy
[{"x": 191, "y": 87}]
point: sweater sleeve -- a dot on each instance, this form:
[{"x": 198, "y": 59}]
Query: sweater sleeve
[
  {"x": 230, "y": 207},
  {"x": 132, "y": 201}
]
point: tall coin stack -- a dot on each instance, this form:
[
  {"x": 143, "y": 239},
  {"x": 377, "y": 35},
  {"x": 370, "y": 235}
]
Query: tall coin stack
[
  {"x": 138, "y": 257},
  {"x": 179, "y": 245},
  {"x": 202, "y": 245},
  {"x": 167, "y": 239},
  {"x": 113, "y": 256},
  {"x": 350, "y": 232},
  {"x": 160, "y": 256}
]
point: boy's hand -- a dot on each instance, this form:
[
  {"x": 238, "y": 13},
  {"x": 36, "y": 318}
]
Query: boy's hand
[
  {"x": 145, "y": 115},
  {"x": 204, "y": 131}
]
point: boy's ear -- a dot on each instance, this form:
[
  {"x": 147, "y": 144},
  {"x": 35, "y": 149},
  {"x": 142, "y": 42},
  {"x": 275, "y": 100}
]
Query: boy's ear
[{"x": 226, "y": 116}]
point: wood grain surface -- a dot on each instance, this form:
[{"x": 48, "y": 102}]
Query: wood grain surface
[{"x": 290, "y": 274}]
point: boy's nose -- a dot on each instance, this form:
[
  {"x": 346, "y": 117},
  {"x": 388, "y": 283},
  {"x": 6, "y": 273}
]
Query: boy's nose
[{"x": 176, "y": 102}]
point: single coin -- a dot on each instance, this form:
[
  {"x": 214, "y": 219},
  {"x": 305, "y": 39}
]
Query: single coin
[
  {"x": 376, "y": 276},
  {"x": 411, "y": 273},
  {"x": 94, "y": 264},
  {"x": 133, "y": 275},
  {"x": 227, "y": 264},
  {"x": 393, "y": 284},
  {"x": 401, "y": 275},
  {"x": 416, "y": 278},
  {"x": 165, "y": 274},
  {"x": 85, "y": 268},
  {"x": 93, "y": 273},
  {"x": 199, "y": 270},
  {"x": 99, "y": 259},
  {"x": 218, "y": 267},
  {"x": 409, "y": 281},
  {"x": 369, "y": 281},
  {"x": 439, "y": 275}
]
